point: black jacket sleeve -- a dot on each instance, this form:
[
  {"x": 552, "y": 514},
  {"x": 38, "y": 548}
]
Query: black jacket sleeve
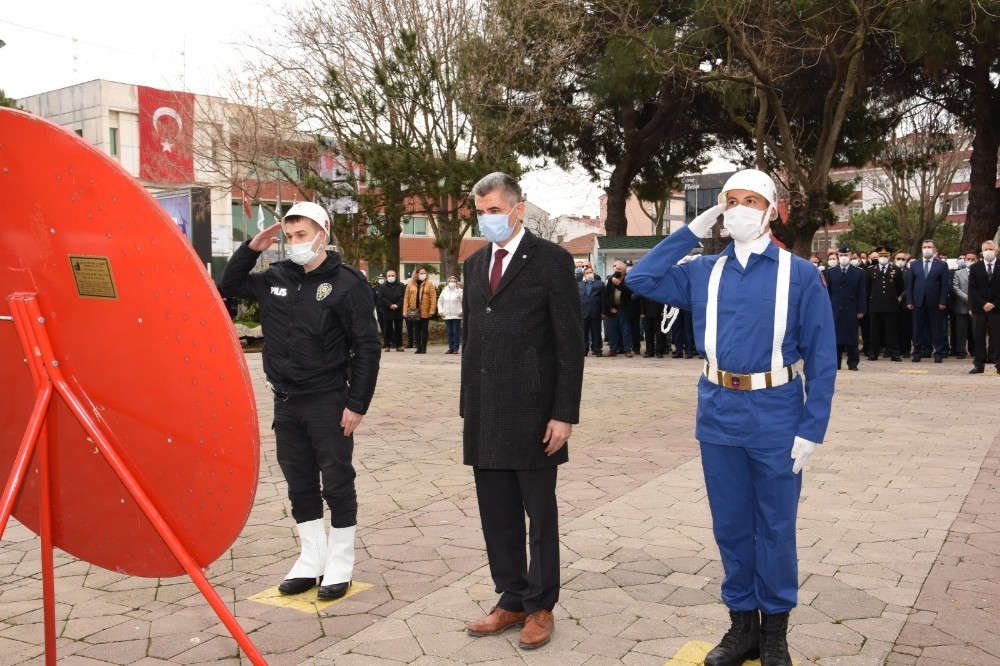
[
  {"x": 236, "y": 278},
  {"x": 361, "y": 333}
]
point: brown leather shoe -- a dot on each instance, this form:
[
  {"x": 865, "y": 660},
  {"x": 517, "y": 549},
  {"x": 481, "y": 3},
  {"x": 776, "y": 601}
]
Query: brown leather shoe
[
  {"x": 537, "y": 630},
  {"x": 498, "y": 621}
]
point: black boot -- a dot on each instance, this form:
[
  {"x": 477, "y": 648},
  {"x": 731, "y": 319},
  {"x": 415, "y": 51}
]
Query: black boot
[
  {"x": 741, "y": 643},
  {"x": 774, "y": 640}
]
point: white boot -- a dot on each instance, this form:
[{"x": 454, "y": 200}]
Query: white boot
[
  {"x": 339, "y": 563},
  {"x": 312, "y": 560}
]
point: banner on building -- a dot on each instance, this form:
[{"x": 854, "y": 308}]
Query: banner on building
[{"x": 166, "y": 135}]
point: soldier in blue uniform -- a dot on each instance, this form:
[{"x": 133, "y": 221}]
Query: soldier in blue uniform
[
  {"x": 847, "y": 297},
  {"x": 757, "y": 312}
]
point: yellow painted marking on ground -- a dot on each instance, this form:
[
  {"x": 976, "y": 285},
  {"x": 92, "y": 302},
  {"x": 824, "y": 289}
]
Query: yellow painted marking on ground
[
  {"x": 305, "y": 602},
  {"x": 914, "y": 372},
  {"x": 693, "y": 653}
]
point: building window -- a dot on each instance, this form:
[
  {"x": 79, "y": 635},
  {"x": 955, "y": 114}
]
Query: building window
[
  {"x": 698, "y": 201},
  {"x": 113, "y": 141},
  {"x": 408, "y": 268},
  {"x": 855, "y": 208},
  {"x": 414, "y": 225},
  {"x": 957, "y": 206}
]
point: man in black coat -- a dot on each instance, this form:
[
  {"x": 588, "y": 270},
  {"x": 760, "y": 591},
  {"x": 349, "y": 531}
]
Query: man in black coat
[
  {"x": 390, "y": 299},
  {"x": 886, "y": 290},
  {"x": 522, "y": 376},
  {"x": 984, "y": 297},
  {"x": 592, "y": 302},
  {"x": 846, "y": 284},
  {"x": 927, "y": 297}
]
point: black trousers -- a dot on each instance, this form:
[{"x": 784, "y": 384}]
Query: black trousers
[
  {"x": 883, "y": 332},
  {"x": 852, "y": 355},
  {"x": 592, "y": 334},
  {"x": 928, "y": 323},
  {"x": 505, "y": 496},
  {"x": 410, "y": 334},
  {"x": 904, "y": 325},
  {"x": 636, "y": 326},
  {"x": 988, "y": 322},
  {"x": 656, "y": 340},
  {"x": 420, "y": 334},
  {"x": 393, "y": 332},
  {"x": 963, "y": 343},
  {"x": 315, "y": 457}
]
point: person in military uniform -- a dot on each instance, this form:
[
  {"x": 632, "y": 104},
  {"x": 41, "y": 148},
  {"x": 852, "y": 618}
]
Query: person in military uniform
[
  {"x": 846, "y": 284},
  {"x": 886, "y": 290}
]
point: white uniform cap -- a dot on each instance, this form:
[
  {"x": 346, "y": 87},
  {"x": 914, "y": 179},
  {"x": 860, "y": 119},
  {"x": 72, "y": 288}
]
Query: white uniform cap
[
  {"x": 313, "y": 211},
  {"x": 754, "y": 181}
]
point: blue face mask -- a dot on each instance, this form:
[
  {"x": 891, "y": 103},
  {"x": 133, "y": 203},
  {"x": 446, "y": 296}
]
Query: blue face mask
[{"x": 494, "y": 227}]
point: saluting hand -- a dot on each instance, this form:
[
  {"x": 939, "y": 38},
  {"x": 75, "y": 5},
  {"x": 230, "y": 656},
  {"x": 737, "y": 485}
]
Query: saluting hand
[{"x": 265, "y": 239}]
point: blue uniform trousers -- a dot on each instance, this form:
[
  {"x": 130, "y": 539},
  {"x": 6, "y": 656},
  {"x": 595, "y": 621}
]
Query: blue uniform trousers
[{"x": 754, "y": 498}]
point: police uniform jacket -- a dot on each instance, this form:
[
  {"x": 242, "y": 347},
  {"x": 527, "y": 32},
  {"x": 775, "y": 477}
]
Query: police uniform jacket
[
  {"x": 884, "y": 288},
  {"x": 522, "y": 356},
  {"x": 847, "y": 296},
  {"x": 765, "y": 418},
  {"x": 314, "y": 324}
]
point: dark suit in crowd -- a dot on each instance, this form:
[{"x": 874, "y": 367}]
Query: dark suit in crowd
[
  {"x": 847, "y": 296},
  {"x": 390, "y": 294},
  {"x": 592, "y": 303},
  {"x": 652, "y": 324},
  {"x": 984, "y": 287},
  {"x": 927, "y": 292}
]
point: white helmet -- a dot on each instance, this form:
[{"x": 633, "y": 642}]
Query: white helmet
[
  {"x": 754, "y": 181},
  {"x": 314, "y": 212}
]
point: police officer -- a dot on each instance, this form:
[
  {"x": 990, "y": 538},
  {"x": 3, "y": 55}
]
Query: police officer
[
  {"x": 320, "y": 330},
  {"x": 886, "y": 290},
  {"x": 757, "y": 311}
]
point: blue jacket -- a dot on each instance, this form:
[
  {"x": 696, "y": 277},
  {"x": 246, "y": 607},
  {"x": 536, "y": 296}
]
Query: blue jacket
[
  {"x": 592, "y": 299},
  {"x": 767, "y": 417},
  {"x": 930, "y": 291},
  {"x": 848, "y": 298}
]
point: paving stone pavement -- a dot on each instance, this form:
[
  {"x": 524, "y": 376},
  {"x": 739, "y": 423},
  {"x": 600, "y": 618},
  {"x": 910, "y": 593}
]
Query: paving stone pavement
[{"x": 899, "y": 538}]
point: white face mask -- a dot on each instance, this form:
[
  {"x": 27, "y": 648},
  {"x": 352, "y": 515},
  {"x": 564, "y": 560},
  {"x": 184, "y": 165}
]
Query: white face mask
[
  {"x": 302, "y": 253},
  {"x": 381, "y": 280},
  {"x": 588, "y": 277},
  {"x": 743, "y": 223},
  {"x": 928, "y": 252},
  {"x": 854, "y": 262},
  {"x": 390, "y": 280},
  {"x": 453, "y": 285},
  {"x": 883, "y": 261},
  {"x": 843, "y": 261},
  {"x": 422, "y": 276},
  {"x": 831, "y": 262},
  {"x": 900, "y": 263},
  {"x": 989, "y": 255},
  {"x": 960, "y": 263}
]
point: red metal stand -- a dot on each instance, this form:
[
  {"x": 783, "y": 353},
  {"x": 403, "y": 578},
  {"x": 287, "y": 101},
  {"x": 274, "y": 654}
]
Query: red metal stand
[{"x": 48, "y": 378}]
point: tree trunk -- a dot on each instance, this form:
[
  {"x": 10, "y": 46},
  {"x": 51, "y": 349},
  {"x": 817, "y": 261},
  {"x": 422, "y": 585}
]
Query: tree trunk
[
  {"x": 981, "y": 218},
  {"x": 805, "y": 221},
  {"x": 618, "y": 191}
]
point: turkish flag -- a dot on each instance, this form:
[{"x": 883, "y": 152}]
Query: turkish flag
[{"x": 166, "y": 135}]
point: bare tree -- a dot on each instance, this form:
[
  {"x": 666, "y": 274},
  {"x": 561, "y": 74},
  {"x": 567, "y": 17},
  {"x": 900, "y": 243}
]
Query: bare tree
[{"x": 916, "y": 171}]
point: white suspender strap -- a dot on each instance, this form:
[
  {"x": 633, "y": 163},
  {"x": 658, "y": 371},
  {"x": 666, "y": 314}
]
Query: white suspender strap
[
  {"x": 712, "y": 311},
  {"x": 781, "y": 308}
]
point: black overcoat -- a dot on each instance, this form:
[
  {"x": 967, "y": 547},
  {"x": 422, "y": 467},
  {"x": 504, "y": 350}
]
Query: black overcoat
[
  {"x": 847, "y": 296},
  {"x": 522, "y": 355}
]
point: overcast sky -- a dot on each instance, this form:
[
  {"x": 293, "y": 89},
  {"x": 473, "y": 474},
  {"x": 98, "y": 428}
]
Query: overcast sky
[{"x": 177, "y": 45}]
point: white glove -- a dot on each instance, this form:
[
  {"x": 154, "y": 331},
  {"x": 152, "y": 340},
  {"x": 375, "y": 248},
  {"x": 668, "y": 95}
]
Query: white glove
[
  {"x": 802, "y": 449},
  {"x": 701, "y": 225}
]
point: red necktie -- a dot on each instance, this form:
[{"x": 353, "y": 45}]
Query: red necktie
[{"x": 497, "y": 271}]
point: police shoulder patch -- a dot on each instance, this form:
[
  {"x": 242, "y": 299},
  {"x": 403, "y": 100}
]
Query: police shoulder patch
[{"x": 323, "y": 291}]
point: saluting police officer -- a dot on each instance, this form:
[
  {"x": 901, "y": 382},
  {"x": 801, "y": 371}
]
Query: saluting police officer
[
  {"x": 757, "y": 311},
  {"x": 318, "y": 320},
  {"x": 886, "y": 290}
]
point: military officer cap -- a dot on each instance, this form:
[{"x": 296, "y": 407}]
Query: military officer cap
[
  {"x": 883, "y": 250},
  {"x": 843, "y": 249}
]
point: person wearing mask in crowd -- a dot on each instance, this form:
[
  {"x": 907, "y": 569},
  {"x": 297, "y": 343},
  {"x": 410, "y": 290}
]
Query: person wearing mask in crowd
[
  {"x": 886, "y": 290},
  {"x": 618, "y": 306},
  {"x": 831, "y": 259},
  {"x": 960, "y": 292},
  {"x": 379, "y": 312},
  {"x": 862, "y": 260},
  {"x": 818, "y": 263},
  {"x": 317, "y": 312},
  {"x": 846, "y": 285},
  {"x": 390, "y": 297},
  {"x": 592, "y": 305},
  {"x": 635, "y": 316},
  {"x": 904, "y": 319},
  {"x": 927, "y": 298},
  {"x": 758, "y": 311},
  {"x": 984, "y": 297},
  {"x": 522, "y": 378},
  {"x": 578, "y": 271},
  {"x": 450, "y": 306},
  {"x": 652, "y": 323},
  {"x": 421, "y": 300}
]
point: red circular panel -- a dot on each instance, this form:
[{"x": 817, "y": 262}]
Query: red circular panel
[{"x": 142, "y": 337}]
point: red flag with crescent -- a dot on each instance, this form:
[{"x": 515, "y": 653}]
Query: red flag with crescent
[{"x": 166, "y": 135}]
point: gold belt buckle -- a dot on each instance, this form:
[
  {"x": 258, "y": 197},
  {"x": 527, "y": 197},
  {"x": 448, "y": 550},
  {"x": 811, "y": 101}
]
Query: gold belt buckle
[{"x": 735, "y": 381}]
